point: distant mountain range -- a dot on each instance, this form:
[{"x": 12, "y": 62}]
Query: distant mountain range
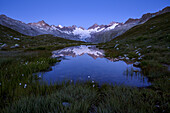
[{"x": 95, "y": 33}]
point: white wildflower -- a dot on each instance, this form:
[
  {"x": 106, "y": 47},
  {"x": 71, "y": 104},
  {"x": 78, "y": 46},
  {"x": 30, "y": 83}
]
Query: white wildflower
[{"x": 25, "y": 85}]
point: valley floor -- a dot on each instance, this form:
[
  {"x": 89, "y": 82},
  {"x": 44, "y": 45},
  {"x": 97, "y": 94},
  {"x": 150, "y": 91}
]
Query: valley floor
[{"x": 19, "y": 91}]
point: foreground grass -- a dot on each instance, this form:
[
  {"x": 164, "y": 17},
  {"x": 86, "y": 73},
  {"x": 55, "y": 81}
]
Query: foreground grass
[
  {"x": 19, "y": 91},
  {"x": 147, "y": 44},
  {"x": 86, "y": 98}
]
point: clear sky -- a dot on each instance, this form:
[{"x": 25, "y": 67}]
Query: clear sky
[{"x": 79, "y": 12}]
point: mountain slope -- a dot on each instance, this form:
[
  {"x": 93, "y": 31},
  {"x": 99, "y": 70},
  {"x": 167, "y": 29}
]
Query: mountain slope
[
  {"x": 147, "y": 46},
  {"x": 10, "y": 38},
  {"x": 148, "y": 43},
  {"x": 41, "y": 27},
  {"x": 122, "y": 28},
  {"x": 96, "y": 33}
]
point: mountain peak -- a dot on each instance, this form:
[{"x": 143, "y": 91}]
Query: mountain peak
[
  {"x": 81, "y": 28},
  {"x": 131, "y": 20},
  {"x": 3, "y": 15},
  {"x": 42, "y": 22},
  {"x": 60, "y": 26},
  {"x": 113, "y": 22},
  {"x": 94, "y": 26}
]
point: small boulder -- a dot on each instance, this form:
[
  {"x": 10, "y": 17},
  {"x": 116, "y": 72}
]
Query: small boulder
[
  {"x": 116, "y": 59},
  {"x": 127, "y": 58},
  {"x": 148, "y": 47},
  {"x": 66, "y": 104},
  {"x": 140, "y": 58},
  {"x": 133, "y": 58},
  {"x": 116, "y": 45},
  {"x": 16, "y": 38},
  {"x": 16, "y": 45},
  {"x": 4, "y": 45},
  {"x": 136, "y": 64}
]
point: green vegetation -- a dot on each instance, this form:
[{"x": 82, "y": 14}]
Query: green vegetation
[
  {"x": 147, "y": 43},
  {"x": 86, "y": 98}
]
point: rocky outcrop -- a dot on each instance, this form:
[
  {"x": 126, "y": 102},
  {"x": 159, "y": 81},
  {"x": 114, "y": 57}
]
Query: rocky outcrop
[{"x": 96, "y": 33}]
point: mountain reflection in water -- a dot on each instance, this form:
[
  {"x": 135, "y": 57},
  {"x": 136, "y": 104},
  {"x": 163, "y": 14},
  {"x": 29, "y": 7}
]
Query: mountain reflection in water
[{"x": 87, "y": 63}]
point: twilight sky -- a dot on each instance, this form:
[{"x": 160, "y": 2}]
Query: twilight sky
[{"x": 79, "y": 12}]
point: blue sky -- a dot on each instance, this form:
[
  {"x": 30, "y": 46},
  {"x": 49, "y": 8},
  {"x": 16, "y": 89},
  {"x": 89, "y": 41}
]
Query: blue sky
[{"x": 79, "y": 12}]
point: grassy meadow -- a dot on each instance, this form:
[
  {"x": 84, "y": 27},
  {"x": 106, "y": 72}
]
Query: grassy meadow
[{"x": 21, "y": 93}]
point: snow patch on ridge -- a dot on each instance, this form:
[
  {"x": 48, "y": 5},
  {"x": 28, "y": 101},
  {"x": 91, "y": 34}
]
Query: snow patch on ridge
[
  {"x": 87, "y": 33},
  {"x": 83, "y": 33},
  {"x": 60, "y": 26},
  {"x": 112, "y": 27},
  {"x": 78, "y": 51}
]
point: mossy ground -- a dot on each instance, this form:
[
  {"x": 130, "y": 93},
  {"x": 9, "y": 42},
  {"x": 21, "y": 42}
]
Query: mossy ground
[{"x": 17, "y": 66}]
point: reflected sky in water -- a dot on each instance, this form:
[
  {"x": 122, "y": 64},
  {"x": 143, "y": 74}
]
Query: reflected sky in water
[{"x": 87, "y": 63}]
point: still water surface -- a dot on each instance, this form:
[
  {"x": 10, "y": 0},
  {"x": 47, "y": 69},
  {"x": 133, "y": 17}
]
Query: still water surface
[{"x": 87, "y": 63}]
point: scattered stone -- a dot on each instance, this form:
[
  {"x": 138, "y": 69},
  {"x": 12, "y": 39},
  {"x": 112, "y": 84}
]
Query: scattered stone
[
  {"x": 16, "y": 38},
  {"x": 116, "y": 59},
  {"x": 25, "y": 85},
  {"x": 4, "y": 45},
  {"x": 39, "y": 76},
  {"x": 148, "y": 47},
  {"x": 127, "y": 58},
  {"x": 12, "y": 47},
  {"x": 133, "y": 58},
  {"x": 140, "y": 58},
  {"x": 136, "y": 64},
  {"x": 139, "y": 49},
  {"x": 135, "y": 70},
  {"x": 66, "y": 104},
  {"x": 16, "y": 45},
  {"x": 117, "y": 48},
  {"x": 137, "y": 52},
  {"x": 121, "y": 58},
  {"x": 116, "y": 45},
  {"x": 157, "y": 106}
]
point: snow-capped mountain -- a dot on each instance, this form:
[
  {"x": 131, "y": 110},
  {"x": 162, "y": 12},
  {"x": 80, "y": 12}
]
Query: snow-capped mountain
[
  {"x": 78, "y": 51},
  {"x": 81, "y": 32},
  {"x": 95, "y": 33}
]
